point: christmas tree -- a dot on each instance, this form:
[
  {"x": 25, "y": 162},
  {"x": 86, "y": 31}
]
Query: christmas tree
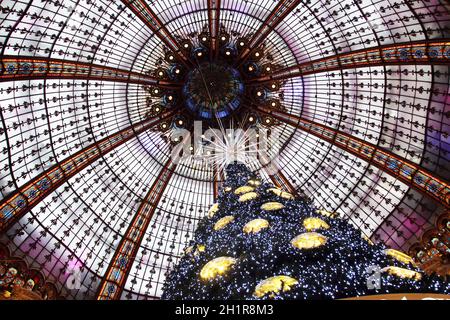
[{"x": 260, "y": 242}]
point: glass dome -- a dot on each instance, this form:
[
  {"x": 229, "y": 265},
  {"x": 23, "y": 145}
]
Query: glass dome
[{"x": 356, "y": 91}]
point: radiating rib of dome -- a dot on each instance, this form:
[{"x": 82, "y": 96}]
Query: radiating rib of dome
[
  {"x": 214, "y": 25},
  {"x": 282, "y": 9},
  {"x": 275, "y": 174},
  {"x": 119, "y": 268},
  {"x": 416, "y": 53},
  {"x": 217, "y": 178},
  {"x": 280, "y": 180},
  {"x": 151, "y": 20},
  {"x": 402, "y": 169},
  {"x": 16, "y": 68},
  {"x": 21, "y": 201}
]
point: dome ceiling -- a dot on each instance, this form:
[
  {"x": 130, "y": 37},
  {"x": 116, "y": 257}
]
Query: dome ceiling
[{"x": 75, "y": 88}]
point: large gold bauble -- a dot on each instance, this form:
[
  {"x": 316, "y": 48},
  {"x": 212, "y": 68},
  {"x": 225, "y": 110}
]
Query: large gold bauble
[
  {"x": 309, "y": 240},
  {"x": 254, "y": 182},
  {"x": 281, "y": 193},
  {"x": 399, "y": 256},
  {"x": 311, "y": 224},
  {"x": 274, "y": 285},
  {"x": 326, "y": 213},
  {"x": 243, "y": 189},
  {"x": 213, "y": 210},
  {"x": 274, "y": 190},
  {"x": 198, "y": 249},
  {"x": 272, "y": 206},
  {"x": 223, "y": 222},
  {"x": 248, "y": 196},
  {"x": 217, "y": 267},
  {"x": 402, "y": 273},
  {"x": 256, "y": 225}
]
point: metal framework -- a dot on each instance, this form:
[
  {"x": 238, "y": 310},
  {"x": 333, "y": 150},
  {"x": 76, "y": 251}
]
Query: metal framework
[
  {"x": 417, "y": 53},
  {"x": 280, "y": 180},
  {"x": 216, "y": 182},
  {"x": 24, "y": 199},
  {"x": 16, "y": 68},
  {"x": 282, "y": 9},
  {"x": 119, "y": 268},
  {"x": 214, "y": 25},
  {"x": 275, "y": 174},
  {"x": 406, "y": 171},
  {"x": 142, "y": 10}
]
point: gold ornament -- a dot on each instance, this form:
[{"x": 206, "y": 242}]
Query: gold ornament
[
  {"x": 309, "y": 240},
  {"x": 213, "y": 210},
  {"x": 311, "y": 224},
  {"x": 272, "y": 206},
  {"x": 254, "y": 182},
  {"x": 244, "y": 189},
  {"x": 274, "y": 285},
  {"x": 399, "y": 256},
  {"x": 281, "y": 193},
  {"x": 248, "y": 196},
  {"x": 326, "y": 213},
  {"x": 256, "y": 225},
  {"x": 198, "y": 249},
  {"x": 217, "y": 267},
  {"x": 402, "y": 273},
  {"x": 222, "y": 223},
  {"x": 227, "y": 189}
]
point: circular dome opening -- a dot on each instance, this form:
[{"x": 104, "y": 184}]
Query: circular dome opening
[{"x": 213, "y": 90}]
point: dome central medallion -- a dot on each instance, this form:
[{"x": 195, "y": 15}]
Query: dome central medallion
[
  {"x": 213, "y": 90},
  {"x": 212, "y": 79}
]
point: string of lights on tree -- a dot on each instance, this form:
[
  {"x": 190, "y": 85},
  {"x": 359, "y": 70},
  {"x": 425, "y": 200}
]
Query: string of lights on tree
[{"x": 260, "y": 242}]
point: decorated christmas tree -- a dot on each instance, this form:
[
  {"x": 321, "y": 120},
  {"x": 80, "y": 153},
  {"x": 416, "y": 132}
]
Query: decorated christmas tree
[{"x": 260, "y": 242}]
